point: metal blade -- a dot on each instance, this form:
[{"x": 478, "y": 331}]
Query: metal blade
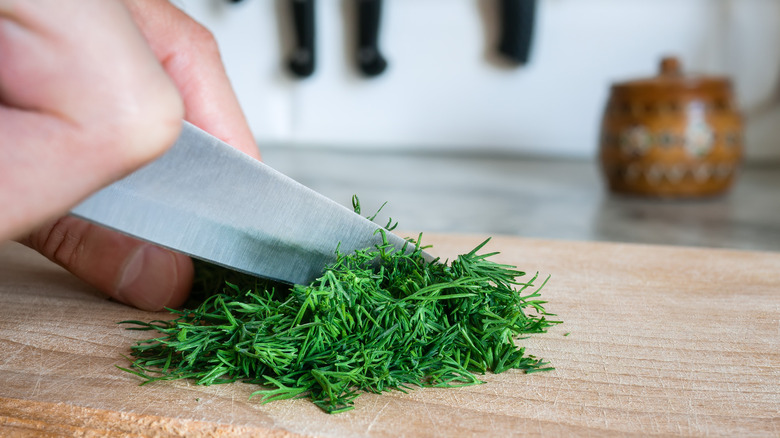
[{"x": 206, "y": 199}]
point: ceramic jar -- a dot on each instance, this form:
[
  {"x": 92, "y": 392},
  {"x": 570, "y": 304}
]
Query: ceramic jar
[{"x": 673, "y": 135}]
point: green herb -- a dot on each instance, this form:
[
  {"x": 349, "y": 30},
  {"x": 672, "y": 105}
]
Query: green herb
[{"x": 401, "y": 323}]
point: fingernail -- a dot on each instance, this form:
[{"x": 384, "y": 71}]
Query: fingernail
[{"x": 148, "y": 278}]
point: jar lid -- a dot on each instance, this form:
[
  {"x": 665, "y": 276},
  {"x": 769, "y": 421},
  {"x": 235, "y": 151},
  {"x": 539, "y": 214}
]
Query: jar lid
[{"x": 671, "y": 78}]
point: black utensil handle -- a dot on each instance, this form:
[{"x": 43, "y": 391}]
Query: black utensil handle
[
  {"x": 370, "y": 60},
  {"x": 369, "y": 12},
  {"x": 517, "y": 27},
  {"x": 302, "y": 59}
]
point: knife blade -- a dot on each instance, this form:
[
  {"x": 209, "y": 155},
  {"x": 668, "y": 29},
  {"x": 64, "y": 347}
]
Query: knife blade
[{"x": 206, "y": 199}]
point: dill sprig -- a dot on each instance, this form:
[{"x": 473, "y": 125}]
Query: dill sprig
[{"x": 376, "y": 320}]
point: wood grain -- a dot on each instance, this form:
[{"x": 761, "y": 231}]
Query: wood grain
[{"x": 656, "y": 340}]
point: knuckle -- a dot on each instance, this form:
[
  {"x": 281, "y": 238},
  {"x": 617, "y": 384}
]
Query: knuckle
[
  {"x": 62, "y": 241},
  {"x": 139, "y": 137},
  {"x": 203, "y": 39}
]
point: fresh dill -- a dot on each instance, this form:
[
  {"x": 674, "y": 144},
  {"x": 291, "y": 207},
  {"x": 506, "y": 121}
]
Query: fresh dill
[{"x": 401, "y": 323}]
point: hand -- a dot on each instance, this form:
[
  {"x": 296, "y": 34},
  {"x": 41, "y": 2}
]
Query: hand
[{"x": 85, "y": 98}]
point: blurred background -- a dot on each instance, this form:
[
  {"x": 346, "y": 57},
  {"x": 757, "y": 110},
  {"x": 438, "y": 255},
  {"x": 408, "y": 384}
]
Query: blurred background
[{"x": 460, "y": 139}]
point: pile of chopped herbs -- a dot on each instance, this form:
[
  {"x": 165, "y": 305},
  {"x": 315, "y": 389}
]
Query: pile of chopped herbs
[{"x": 401, "y": 323}]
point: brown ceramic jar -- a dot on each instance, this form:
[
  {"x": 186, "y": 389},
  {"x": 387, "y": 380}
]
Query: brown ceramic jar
[{"x": 673, "y": 135}]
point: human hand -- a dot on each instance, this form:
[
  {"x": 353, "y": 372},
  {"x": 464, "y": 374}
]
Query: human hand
[{"x": 85, "y": 98}]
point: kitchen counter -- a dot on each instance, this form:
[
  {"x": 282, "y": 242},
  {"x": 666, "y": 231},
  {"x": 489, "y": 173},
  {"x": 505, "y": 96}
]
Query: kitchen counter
[
  {"x": 551, "y": 199},
  {"x": 656, "y": 339}
]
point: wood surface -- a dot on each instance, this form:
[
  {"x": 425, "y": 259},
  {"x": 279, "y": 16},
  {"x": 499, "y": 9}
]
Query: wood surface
[{"x": 655, "y": 340}]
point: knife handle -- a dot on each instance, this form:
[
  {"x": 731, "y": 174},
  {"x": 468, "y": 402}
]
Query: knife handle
[
  {"x": 370, "y": 60},
  {"x": 517, "y": 27},
  {"x": 302, "y": 59}
]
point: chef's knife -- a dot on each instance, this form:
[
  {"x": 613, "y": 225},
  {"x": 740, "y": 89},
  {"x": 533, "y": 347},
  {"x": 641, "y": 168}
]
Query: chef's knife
[{"x": 206, "y": 199}]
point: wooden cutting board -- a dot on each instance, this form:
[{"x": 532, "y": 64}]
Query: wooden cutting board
[{"x": 656, "y": 340}]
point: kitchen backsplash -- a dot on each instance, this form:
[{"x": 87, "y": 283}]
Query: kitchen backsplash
[{"x": 445, "y": 87}]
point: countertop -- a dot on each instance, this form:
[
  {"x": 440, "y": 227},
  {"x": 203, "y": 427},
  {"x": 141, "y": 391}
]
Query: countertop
[
  {"x": 530, "y": 197},
  {"x": 656, "y": 339}
]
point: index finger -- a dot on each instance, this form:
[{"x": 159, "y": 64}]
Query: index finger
[{"x": 190, "y": 56}]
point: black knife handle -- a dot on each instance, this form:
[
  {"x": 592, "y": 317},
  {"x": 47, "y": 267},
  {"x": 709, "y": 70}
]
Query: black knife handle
[
  {"x": 370, "y": 60},
  {"x": 302, "y": 59},
  {"x": 517, "y": 27}
]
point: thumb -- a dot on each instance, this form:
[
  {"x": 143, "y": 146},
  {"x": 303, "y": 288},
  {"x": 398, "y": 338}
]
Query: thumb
[{"x": 129, "y": 270}]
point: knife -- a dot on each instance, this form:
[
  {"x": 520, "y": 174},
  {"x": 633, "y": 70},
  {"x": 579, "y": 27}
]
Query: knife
[{"x": 206, "y": 199}]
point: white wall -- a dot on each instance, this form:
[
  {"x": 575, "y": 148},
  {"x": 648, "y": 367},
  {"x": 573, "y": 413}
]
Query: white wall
[{"x": 445, "y": 90}]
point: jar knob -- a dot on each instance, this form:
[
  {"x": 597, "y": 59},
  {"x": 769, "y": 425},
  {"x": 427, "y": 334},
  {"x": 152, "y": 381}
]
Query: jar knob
[{"x": 670, "y": 66}]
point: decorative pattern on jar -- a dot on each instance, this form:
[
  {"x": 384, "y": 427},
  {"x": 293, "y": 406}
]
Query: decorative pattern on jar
[{"x": 672, "y": 135}]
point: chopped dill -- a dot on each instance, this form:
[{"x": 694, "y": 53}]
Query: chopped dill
[{"x": 362, "y": 326}]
